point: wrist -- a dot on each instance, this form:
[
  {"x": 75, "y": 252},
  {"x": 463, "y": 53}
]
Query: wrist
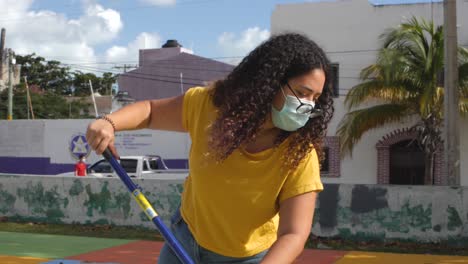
[{"x": 108, "y": 120}]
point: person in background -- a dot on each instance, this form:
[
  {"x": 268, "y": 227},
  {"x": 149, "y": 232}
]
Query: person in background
[
  {"x": 257, "y": 139},
  {"x": 80, "y": 166}
]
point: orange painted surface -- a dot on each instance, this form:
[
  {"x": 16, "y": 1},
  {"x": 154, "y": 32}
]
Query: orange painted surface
[
  {"x": 21, "y": 260},
  {"x": 314, "y": 256},
  {"x": 356, "y": 257},
  {"x": 140, "y": 252}
]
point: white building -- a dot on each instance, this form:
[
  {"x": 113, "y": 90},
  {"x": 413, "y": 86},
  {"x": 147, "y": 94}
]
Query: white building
[{"x": 349, "y": 31}]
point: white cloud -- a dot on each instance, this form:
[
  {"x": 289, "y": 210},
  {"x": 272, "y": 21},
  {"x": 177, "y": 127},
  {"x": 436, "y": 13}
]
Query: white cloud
[
  {"x": 54, "y": 36},
  {"x": 98, "y": 25},
  {"x": 160, "y": 2},
  {"x": 233, "y": 46},
  {"x": 130, "y": 52}
]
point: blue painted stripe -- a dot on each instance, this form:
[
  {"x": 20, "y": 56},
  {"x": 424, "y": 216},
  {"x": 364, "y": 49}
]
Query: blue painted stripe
[{"x": 43, "y": 166}]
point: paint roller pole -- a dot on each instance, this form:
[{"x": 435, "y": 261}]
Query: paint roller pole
[{"x": 148, "y": 209}]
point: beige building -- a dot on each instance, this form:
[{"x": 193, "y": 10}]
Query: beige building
[
  {"x": 4, "y": 73},
  {"x": 349, "y": 32}
]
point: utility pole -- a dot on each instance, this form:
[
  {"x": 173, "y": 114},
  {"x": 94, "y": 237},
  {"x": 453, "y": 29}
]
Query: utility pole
[
  {"x": 30, "y": 107},
  {"x": 451, "y": 103},
  {"x": 10, "y": 84},
  {"x": 125, "y": 67},
  {"x": 2, "y": 47},
  {"x": 181, "y": 83}
]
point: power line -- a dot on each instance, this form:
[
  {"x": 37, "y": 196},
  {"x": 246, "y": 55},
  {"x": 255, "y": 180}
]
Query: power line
[
  {"x": 212, "y": 58},
  {"x": 155, "y": 66},
  {"x": 130, "y": 75},
  {"x": 90, "y": 68},
  {"x": 136, "y": 73},
  {"x": 102, "y": 70}
]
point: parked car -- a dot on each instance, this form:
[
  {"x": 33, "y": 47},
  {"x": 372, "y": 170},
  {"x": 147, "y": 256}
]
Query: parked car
[{"x": 148, "y": 166}]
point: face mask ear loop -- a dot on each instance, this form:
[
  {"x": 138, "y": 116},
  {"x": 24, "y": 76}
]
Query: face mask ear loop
[{"x": 282, "y": 90}]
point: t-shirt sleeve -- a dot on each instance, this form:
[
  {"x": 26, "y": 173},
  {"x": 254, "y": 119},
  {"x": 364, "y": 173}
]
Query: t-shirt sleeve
[
  {"x": 306, "y": 178},
  {"x": 193, "y": 99}
]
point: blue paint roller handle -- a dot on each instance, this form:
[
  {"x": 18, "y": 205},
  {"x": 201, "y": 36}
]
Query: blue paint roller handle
[{"x": 148, "y": 209}]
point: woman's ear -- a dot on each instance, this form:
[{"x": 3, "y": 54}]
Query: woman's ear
[{"x": 278, "y": 99}]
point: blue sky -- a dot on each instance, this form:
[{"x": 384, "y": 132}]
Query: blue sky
[
  {"x": 112, "y": 31},
  {"x": 196, "y": 23}
]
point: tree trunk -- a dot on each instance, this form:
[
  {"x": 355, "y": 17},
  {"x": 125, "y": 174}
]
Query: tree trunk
[{"x": 429, "y": 169}]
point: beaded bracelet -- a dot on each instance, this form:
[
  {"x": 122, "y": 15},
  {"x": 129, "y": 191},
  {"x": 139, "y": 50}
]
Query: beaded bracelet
[{"x": 105, "y": 117}]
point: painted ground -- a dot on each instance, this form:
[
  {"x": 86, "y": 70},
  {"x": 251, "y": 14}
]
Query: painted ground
[{"x": 19, "y": 248}]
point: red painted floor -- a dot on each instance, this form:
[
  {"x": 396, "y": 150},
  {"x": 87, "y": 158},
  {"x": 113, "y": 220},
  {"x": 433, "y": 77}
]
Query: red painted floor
[{"x": 146, "y": 252}]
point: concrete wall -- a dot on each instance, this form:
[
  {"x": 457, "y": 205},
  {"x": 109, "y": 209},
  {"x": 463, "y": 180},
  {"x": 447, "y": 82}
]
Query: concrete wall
[
  {"x": 51, "y": 146},
  {"x": 53, "y": 199},
  {"x": 419, "y": 213},
  {"x": 349, "y": 33}
]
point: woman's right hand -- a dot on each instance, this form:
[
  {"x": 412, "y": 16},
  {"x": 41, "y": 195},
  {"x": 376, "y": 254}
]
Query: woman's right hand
[{"x": 100, "y": 135}]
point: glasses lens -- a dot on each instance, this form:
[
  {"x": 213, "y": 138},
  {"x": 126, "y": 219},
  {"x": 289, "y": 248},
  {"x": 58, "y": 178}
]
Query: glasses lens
[{"x": 304, "y": 109}]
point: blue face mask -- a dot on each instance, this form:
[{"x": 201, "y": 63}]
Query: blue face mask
[{"x": 287, "y": 118}]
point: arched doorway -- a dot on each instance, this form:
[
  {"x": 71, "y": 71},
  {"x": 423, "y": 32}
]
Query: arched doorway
[
  {"x": 397, "y": 139},
  {"x": 406, "y": 163}
]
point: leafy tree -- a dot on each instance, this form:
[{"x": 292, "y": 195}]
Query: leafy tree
[
  {"x": 51, "y": 76},
  {"x": 45, "y": 106},
  {"x": 107, "y": 80},
  {"x": 406, "y": 80},
  {"x": 102, "y": 85},
  {"x": 81, "y": 83},
  {"x": 58, "y": 82}
]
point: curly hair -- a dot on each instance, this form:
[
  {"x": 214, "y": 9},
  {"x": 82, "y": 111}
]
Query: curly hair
[{"x": 244, "y": 98}]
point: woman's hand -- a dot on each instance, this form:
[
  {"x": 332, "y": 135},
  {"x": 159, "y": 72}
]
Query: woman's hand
[
  {"x": 100, "y": 135},
  {"x": 162, "y": 114}
]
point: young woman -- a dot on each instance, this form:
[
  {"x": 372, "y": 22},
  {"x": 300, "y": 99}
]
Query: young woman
[{"x": 254, "y": 160}]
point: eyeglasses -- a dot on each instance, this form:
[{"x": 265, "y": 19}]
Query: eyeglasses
[{"x": 305, "y": 108}]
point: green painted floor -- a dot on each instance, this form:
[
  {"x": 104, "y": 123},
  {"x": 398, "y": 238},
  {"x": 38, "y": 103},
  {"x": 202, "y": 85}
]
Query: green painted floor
[{"x": 52, "y": 246}]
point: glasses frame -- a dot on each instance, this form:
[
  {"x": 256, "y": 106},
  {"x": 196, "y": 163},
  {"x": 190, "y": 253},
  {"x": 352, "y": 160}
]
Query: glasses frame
[{"x": 313, "y": 112}]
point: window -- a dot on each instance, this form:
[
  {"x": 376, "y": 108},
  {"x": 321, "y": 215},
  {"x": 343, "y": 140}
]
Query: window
[
  {"x": 102, "y": 167},
  {"x": 330, "y": 165},
  {"x": 153, "y": 163},
  {"x": 335, "y": 67},
  {"x": 325, "y": 163},
  {"x": 407, "y": 164},
  {"x": 129, "y": 165}
]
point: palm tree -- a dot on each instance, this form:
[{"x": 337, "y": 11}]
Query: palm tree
[{"x": 406, "y": 81}]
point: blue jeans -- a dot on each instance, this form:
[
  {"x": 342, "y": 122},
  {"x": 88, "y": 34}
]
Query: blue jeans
[{"x": 199, "y": 254}]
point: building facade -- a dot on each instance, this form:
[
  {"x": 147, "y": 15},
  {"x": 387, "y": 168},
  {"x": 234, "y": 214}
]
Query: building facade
[
  {"x": 5, "y": 72},
  {"x": 170, "y": 71},
  {"x": 349, "y": 32}
]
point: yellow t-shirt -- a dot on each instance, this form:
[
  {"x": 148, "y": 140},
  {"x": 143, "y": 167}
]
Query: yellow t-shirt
[{"x": 231, "y": 207}]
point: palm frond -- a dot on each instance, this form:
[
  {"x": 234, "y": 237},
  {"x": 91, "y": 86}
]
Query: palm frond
[
  {"x": 406, "y": 76},
  {"x": 462, "y": 55},
  {"x": 354, "y": 124},
  {"x": 463, "y": 104},
  {"x": 397, "y": 92},
  {"x": 428, "y": 100}
]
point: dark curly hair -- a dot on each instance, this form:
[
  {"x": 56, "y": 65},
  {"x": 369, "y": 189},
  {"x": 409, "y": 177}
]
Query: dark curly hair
[{"x": 244, "y": 98}]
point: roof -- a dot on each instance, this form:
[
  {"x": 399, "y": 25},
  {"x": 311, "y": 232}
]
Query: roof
[{"x": 402, "y": 2}]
